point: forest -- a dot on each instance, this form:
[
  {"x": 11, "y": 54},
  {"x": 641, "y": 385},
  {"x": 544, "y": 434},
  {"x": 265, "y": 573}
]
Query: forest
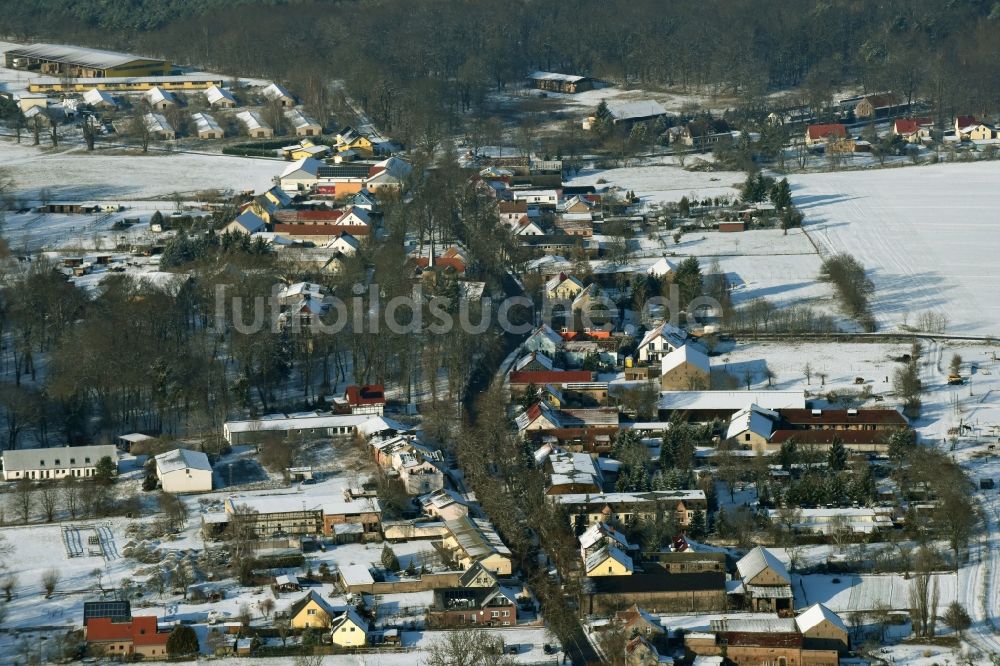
[{"x": 419, "y": 68}]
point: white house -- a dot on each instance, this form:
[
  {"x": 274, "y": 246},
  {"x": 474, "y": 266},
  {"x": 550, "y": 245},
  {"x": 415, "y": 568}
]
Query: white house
[
  {"x": 99, "y": 99},
  {"x": 248, "y": 223},
  {"x": 300, "y": 175},
  {"x": 184, "y": 471},
  {"x": 539, "y": 197},
  {"x": 206, "y": 127},
  {"x": 660, "y": 341},
  {"x": 345, "y": 244},
  {"x": 159, "y": 127},
  {"x": 55, "y": 463},
  {"x": 277, "y": 92},
  {"x": 303, "y": 124}
]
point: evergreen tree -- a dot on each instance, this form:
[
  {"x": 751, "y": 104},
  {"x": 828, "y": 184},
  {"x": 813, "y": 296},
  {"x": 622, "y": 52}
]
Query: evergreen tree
[
  {"x": 836, "y": 459},
  {"x": 697, "y": 528},
  {"x": 789, "y": 454},
  {"x": 389, "y": 559},
  {"x": 781, "y": 194}
]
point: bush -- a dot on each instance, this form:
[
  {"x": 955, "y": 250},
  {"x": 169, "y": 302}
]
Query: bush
[{"x": 182, "y": 641}]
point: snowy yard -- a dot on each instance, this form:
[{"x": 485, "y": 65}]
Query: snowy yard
[
  {"x": 658, "y": 184},
  {"x": 927, "y": 235}
]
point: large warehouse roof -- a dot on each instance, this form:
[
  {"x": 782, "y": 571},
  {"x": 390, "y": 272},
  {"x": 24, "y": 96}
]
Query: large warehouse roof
[{"x": 75, "y": 55}]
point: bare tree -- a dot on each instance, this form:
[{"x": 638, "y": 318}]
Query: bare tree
[
  {"x": 267, "y": 607},
  {"x": 49, "y": 494},
  {"x": 808, "y": 372},
  {"x": 8, "y": 585},
  {"x": 71, "y": 495},
  {"x": 49, "y": 581},
  {"x": 23, "y": 496}
]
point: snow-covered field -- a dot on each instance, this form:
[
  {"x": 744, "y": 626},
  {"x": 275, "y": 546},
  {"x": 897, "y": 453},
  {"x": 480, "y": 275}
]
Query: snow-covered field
[
  {"x": 74, "y": 174},
  {"x": 664, "y": 183},
  {"x": 928, "y": 236}
]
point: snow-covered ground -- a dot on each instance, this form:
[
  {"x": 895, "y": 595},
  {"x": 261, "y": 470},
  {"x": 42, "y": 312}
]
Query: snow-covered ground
[
  {"x": 657, "y": 184},
  {"x": 74, "y": 174},
  {"x": 927, "y": 235}
]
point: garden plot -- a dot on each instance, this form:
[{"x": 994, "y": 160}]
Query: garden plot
[{"x": 927, "y": 235}]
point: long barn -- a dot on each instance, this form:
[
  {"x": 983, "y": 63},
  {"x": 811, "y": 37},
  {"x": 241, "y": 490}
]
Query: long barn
[{"x": 80, "y": 62}]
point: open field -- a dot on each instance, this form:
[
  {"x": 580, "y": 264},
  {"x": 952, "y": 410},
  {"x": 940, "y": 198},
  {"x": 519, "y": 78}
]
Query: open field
[{"x": 928, "y": 236}]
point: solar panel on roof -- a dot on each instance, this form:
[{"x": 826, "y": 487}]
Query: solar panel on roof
[{"x": 117, "y": 610}]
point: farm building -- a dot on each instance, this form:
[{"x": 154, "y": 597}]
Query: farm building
[
  {"x": 125, "y": 83},
  {"x": 55, "y": 463},
  {"x": 303, "y": 124},
  {"x": 159, "y": 127},
  {"x": 99, "y": 99},
  {"x": 563, "y": 83},
  {"x": 256, "y": 127},
  {"x": 206, "y": 127},
  {"x": 159, "y": 99},
  {"x": 76, "y": 61},
  {"x": 184, "y": 471},
  {"x": 220, "y": 98},
  {"x": 277, "y": 92}
]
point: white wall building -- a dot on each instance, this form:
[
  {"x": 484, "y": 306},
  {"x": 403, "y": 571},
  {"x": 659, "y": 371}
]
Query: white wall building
[
  {"x": 55, "y": 463},
  {"x": 184, "y": 471}
]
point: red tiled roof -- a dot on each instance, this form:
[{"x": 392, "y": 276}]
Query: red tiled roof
[
  {"x": 369, "y": 394},
  {"x": 822, "y": 131},
  {"x": 542, "y": 377},
  {"x": 322, "y": 229},
  {"x": 443, "y": 262},
  {"x": 506, "y": 207},
  {"x": 965, "y": 121},
  {"x": 142, "y": 630},
  {"x": 911, "y": 125}
]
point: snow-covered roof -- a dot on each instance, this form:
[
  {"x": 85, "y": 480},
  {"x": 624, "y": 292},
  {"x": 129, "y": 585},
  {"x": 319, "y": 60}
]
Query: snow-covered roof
[
  {"x": 76, "y": 55},
  {"x": 599, "y": 532},
  {"x": 252, "y": 120},
  {"x": 555, "y": 76},
  {"x": 569, "y": 467},
  {"x": 356, "y": 574},
  {"x": 215, "y": 94},
  {"x": 279, "y": 422},
  {"x": 156, "y": 122},
  {"x": 181, "y": 459},
  {"x": 758, "y": 559},
  {"x": 662, "y": 267},
  {"x": 292, "y": 502},
  {"x": 675, "y": 337},
  {"x": 157, "y": 95},
  {"x": 645, "y": 108},
  {"x": 554, "y": 283},
  {"x": 477, "y": 538},
  {"x": 250, "y": 221},
  {"x": 300, "y": 120},
  {"x": 67, "y": 456},
  {"x": 541, "y": 359},
  {"x": 731, "y": 400},
  {"x": 546, "y": 332},
  {"x": 686, "y": 354},
  {"x": 631, "y": 498},
  {"x": 595, "y": 559},
  {"x": 205, "y": 123},
  {"x": 308, "y": 165},
  {"x": 815, "y": 615},
  {"x": 276, "y": 90},
  {"x": 755, "y": 419},
  {"x": 755, "y": 625},
  {"x": 95, "y": 96}
]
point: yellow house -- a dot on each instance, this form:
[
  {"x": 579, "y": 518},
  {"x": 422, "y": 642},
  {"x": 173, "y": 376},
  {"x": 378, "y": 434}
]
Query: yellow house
[
  {"x": 752, "y": 427},
  {"x": 349, "y": 139},
  {"x": 563, "y": 287},
  {"x": 608, "y": 561},
  {"x": 311, "y": 611},
  {"x": 349, "y": 630},
  {"x": 304, "y": 149}
]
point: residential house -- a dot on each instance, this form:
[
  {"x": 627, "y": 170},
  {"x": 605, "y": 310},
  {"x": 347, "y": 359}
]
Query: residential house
[
  {"x": 563, "y": 287},
  {"x": 824, "y": 134},
  {"x": 301, "y": 175},
  {"x": 841, "y": 520},
  {"x": 311, "y": 611},
  {"x": 967, "y": 128},
  {"x": 350, "y": 139},
  {"x": 478, "y": 576},
  {"x": 568, "y": 472},
  {"x": 158, "y": 127},
  {"x": 660, "y": 341},
  {"x": 639, "y": 651},
  {"x": 388, "y": 176},
  {"x": 278, "y": 93},
  {"x": 255, "y": 125},
  {"x": 367, "y": 399},
  {"x": 55, "y": 462},
  {"x": 661, "y": 268},
  {"x": 511, "y": 212},
  {"x": 310, "y": 424},
  {"x": 765, "y": 585},
  {"x": 636, "y": 620},
  {"x": 627, "y": 508},
  {"x": 541, "y": 198},
  {"x": 655, "y": 590},
  {"x": 703, "y": 406},
  {"x": 348, "y": 629},
  {"x": 303, "y": 124},
  {"x": 137, "y": 638},
  {"x": 561, "y": 83},
  {"x": 545, "y": 340},
  {"x": 636, "y": 111},
  {"x": 882, "y": 105},
  {"x": 685, "y": 368},
  {"x": 445, "y": 505},
  {"x": 184, "y": 471},
  {"x": 159, "y": 99},
  {"x": 219, "y": 98},
  {"x": 913, "y": 130},
  {"x": 296, "y": 515},
  {"x": 472, "y": 540},
  {"x": 206, "y": 127},
  {"x": 859, "y": 430},
  {"x": 472, "y": 607},
  {"x": 303, "y": 149},
  {"x": 521, "y": 380},
  {"x": 534, "y": 362},
  {"x": 418, "y": 474},
  {"x": 752, "y": 427},
  {"x": 702, "y": 134},
  {"x": 589, "y": 430},
  {"x": 608, "y": 560},
  {"x": 247, "y": 222}
]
